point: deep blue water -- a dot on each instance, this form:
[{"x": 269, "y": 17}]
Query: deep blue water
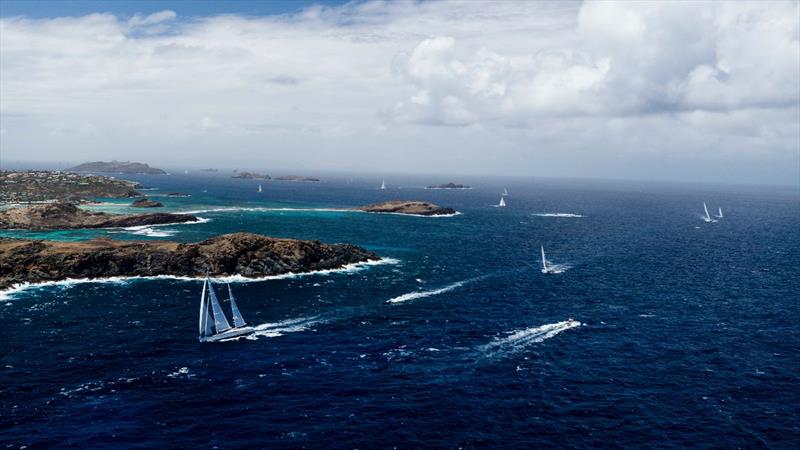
[{"x": 690, "y": 330}]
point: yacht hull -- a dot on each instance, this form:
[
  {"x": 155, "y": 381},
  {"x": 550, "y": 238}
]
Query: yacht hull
[{"x": 233, "y": 332}]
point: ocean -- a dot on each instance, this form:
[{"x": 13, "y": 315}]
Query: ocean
[{"x": 685, "y": 333}]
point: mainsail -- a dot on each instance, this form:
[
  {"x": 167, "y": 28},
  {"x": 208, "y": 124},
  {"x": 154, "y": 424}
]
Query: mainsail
[
  {"x": 203, "y": 310},
  {"x": 720, "y": 213},
  {"x": 544, "y": 261},
  {"x": 708, "y": 216},
  {"x": 238, "y": 320},
  {"x": 505, "y": 191},
  {"x": 502, "y": 202},
  {"x": 220, "y": 321},
  {"x": 383, "y": 184},
  {"x": 259, "y": 188}
]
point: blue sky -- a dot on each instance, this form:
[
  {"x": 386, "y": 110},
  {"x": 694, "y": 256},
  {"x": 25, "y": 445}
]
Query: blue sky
[
  {"x": 695, "y": 91},
  {"x": 184, "y": 8}
]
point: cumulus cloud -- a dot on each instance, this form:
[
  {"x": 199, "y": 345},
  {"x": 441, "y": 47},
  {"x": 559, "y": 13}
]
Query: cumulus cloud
[{"x": 371, "y": 85}]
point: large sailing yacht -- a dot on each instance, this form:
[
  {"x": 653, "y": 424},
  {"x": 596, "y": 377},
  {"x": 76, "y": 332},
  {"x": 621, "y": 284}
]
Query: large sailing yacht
[{"x": 214, "y": 326}]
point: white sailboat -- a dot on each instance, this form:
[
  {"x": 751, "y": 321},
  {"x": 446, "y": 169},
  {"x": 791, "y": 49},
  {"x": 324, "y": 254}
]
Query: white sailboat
[
  {"x": 719, "y": 214},
  {"x": 383, "y": 185},
  {"x": 259, "y": 188},
  {"x": 502, "y": 203},
  {"x": 505, "y": 192},
  {"x": 707, "y": 217},
  {"x": 544, "y": 261},
  {"x": 214, "y": 326}
]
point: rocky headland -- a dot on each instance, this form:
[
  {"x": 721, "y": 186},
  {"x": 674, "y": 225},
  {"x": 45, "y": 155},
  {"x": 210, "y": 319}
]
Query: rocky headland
[
  {"x": 45, "y": 185},
  {"x": 64, "y": 216},
  {"x": 415, "y": 208},
  {"x": 146, "y": 203},
  {"x": 250, "y": 176},
  {"x": 245, "y": 254},
  {"x": 117, "y": 167}
]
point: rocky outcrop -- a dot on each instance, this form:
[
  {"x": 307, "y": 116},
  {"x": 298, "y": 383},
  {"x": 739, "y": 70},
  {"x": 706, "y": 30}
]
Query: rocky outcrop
[
  {"x": 450, "y": 185},
  {"x": 246, "y": 254},
  {"x": 251, "y": 176},
  {"x": 296, "y": 178},
  {"x": 408, "y": 207},
  {"x": 146, "y": 203},
  {"x": 63, "y": 216},
  {"x": 117, "y": 167}
]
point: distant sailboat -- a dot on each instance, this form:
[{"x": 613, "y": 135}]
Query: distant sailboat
[
  {"x": 707, "y": 217},
  {"x": 259, "y": 188},
  {"x": 220, "y": 328},
  {"x": 505, "y": 192},
  {"x": 544, "y": 261},
  {"x": 186, "y": 172},
  {"x": 719, "y": 214},
  {"x": 383, "y": 185},
  {"x": 502, "y": 203}
]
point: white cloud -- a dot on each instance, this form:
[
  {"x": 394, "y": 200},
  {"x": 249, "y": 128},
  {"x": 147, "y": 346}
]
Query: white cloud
[{"x": 429, "y": 81}]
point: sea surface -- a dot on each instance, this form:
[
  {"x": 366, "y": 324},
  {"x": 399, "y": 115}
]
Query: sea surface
[{"x": 689, "y": 331}]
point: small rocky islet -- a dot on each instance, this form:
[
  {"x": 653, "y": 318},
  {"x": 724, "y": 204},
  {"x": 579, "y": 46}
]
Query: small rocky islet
[
  {"x": 410, "y": 207},
  {"x": 245, "y": 254},
  {"x": 146, "y": 203}
]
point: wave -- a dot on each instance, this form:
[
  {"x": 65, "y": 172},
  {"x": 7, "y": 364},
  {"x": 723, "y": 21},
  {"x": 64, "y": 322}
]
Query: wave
[
  {"x": 562, "y": 215},
  {"x": 6, "y": 294},
  {"x": 519, "y": 339},
  {"x": 279, "y": 328}
]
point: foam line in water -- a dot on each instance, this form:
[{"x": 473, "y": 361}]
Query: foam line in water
[
  {"x": 562, "y": 215},
  {"x": 280, "y": 328},
  {"x": 6, "y": 294},
  {"x": 422, "y": 294},
  {"x": 519, "y": 339}
]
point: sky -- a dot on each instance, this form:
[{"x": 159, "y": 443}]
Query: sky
[{"x": 688, "y": 91}]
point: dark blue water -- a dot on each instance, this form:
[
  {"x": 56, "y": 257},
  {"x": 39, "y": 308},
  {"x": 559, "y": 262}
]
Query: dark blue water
[{"x": 690, "y": 330}]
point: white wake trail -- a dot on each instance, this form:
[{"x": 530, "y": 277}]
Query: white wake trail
[
  {"x": 280, "y": 328},
  {"x": 519, "y": 339},
  {"x": 562, "y": 215}
]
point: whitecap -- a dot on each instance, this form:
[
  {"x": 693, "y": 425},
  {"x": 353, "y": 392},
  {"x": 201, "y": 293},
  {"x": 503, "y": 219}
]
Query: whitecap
[
  {"x": 561, "y": 215},
  {"x": 519, "y": 339}
]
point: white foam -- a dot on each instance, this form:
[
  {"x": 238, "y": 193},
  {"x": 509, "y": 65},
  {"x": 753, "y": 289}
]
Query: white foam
[
  {"x": 6, "y": 294},
  {"x": 556, "y": 268},
  {"x": 422, "y": 294},
  {"x": 562, "y": 215},
  {"x": 519, "y": 339},
  {"x": 279, "y": 328}
]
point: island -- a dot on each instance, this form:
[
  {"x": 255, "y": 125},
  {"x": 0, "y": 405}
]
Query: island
[
  {"x": 209, "y": 170},
  {"x": 45, "y": 185},
  {"x": 250, "y": 175},
  {"x": 414, "y": 208},
  {"x": 146, "y": 203},
  {"x": 246, "y": 254},
  {"x": 117, "y": 167},
  {"x": 296, "y": 178},
  {"x": 65, "y": 216},
  {"x": 450, "y": 185}
]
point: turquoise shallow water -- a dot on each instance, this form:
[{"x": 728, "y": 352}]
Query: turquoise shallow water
[{"x": 689, "y": 334}]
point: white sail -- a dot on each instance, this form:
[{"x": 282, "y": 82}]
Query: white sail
[
  {"x": 708, "y": 216},
  {"x": 238, "y": 320},
  {"x": 544, "y": 261},
  {"x": 505, "y": 191},
  {"x": 259, "y": 188},
  {"x": 502, "y": 202},
  {"x": 720, "y": 213},
  {"x": 383, "y": 184},
  {"x": 220, "y": 321},
  {"x": 203, "y": 310}
]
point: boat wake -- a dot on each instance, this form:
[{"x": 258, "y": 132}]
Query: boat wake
[
  {"x": 562, "y": 215},
  {"x": 556, "y": 268},
  {"x": 7, "y": 294},
  {"x": 519, "y": 339},
  {"x": 422, "y": 294},
  {"x": 277, "y": 329}
]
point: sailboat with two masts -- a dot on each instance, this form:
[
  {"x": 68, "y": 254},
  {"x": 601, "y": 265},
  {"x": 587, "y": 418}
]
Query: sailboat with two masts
[
  {"x": 214, "y": 326},
  {"x": 707, "y": 217}
]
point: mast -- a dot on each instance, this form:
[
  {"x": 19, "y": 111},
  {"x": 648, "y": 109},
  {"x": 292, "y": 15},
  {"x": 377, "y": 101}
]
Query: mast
[
  {"x": 238, "y": 320},
  {"x": 383, "y": 184},
  {"x": 220, "y": 321},
  {"x": 544, "y": 261},
  {"x": 705, "y": 208}
]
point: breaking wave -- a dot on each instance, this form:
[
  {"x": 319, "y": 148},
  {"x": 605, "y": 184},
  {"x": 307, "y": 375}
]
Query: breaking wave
[
  {"x": 519, "y": 339},
  {"x": 562, "y": 215},
  {"x": 6, "y": 294}
]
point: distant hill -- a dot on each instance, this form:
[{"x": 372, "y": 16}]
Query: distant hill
[{"x": 117, "y": 167}]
